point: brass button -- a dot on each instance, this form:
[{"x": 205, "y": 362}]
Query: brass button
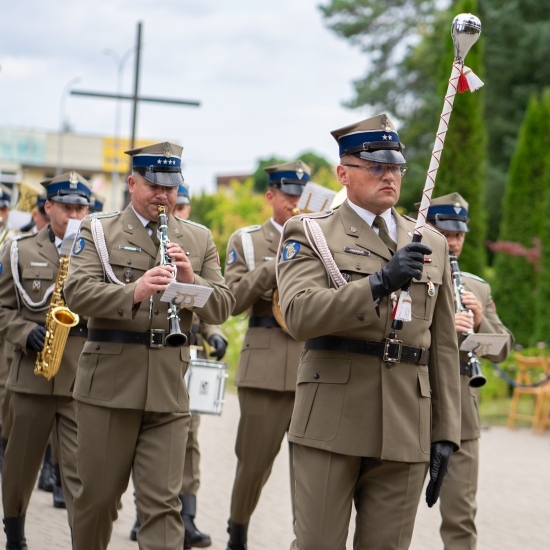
[
  {"x": 316, "y": 376},
  {"x": 129, "y": 262},
  {"x": 120, "y": 312},
  {"x": 360, "y": 317},
  {"x": 98, "y": 347},
  {"x": 156, "y": 311},
  {"x": 358, "y": 267}
]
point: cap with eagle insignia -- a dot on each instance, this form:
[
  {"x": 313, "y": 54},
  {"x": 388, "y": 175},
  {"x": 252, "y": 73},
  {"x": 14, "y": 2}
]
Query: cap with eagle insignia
[
  {"x": 159, "y": 163},
  {"x": 449, "y": 213},
  {"x": 290, "y": 177},
  {"x": 68, "y": 188}
]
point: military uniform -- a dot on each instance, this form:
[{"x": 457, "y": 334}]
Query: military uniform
[
  {"x": 29, "y": 272},
  {"x": 367, "y": 411},
  {"x": 268, "y": 362},
  {"x": 133, "y": 408},
  {"x": 458, "y": 495}
]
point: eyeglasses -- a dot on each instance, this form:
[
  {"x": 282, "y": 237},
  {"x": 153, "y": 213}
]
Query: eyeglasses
[{"x": 377, "y": 169}]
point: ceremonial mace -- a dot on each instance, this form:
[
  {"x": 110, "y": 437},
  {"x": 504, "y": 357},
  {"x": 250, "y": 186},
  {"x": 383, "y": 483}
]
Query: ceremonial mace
[{"x": 465, "y": 31}]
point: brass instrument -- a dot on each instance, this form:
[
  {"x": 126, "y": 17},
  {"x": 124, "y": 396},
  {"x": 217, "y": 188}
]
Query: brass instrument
[
  {"x": 476, "y": 377},
  {"x": 175, "y": 337},
  {"x": 59, "y": 321}
]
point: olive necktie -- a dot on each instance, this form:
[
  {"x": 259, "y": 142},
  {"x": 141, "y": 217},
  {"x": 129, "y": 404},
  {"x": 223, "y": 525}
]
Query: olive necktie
[
  {"x": 153, "y": 226},
  {"x": 380, "y": 223}
]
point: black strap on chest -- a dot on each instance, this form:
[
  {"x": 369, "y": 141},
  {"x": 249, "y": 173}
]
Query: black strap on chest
[{"x": 389, "y": 350}]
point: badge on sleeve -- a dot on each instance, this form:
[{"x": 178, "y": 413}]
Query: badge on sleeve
[
  {"x": 231, "y": 257},
  {"x": 78, "y": 246},
  {"x": 291, "y": 249}
]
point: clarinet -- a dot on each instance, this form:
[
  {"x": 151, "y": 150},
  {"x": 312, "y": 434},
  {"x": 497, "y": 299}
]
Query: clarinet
[
  {"x": 175, "y": 337},
  {"x": 474, "y": 365}
]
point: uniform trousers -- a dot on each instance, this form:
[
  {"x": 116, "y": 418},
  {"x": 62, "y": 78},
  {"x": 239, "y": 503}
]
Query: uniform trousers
[
  {"x": 33, "y": 417},
  {"x": 458, "y": 498},
  {"x": 265, "y": 418},
  {"x": 385, "y": 493},
  {"x": 191, "y": 470},
  {"x": 111, "y": 444}
]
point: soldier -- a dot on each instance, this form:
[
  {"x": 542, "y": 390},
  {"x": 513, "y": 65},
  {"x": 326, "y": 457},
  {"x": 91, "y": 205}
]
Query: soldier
[
  {"x": 30, "y": 272},
  {"x": 449, "y": 214},
  {"x": 97, "y": 202},
  {"x": 133, "y": 409},
  {"x": 200, "y": 332},
  {"x": 266, "y": 374},
  {"x": 373, "y": 405}
]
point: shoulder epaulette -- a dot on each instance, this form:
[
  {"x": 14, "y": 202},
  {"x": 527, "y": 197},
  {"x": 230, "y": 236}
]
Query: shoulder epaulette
[
  {"x": 427, "y": 226},
  {"x": 317, "y": 215},
  {"x": 192, "y": 223},
  {"x": 101, "y": 215},
  {"x": 472, "y": 276},
  {"x": 22, "y": 236},
  {"x": 249, "y": 229}
]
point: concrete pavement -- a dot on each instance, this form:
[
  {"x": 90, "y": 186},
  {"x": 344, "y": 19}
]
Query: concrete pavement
[{"x": 513, "y": 500}]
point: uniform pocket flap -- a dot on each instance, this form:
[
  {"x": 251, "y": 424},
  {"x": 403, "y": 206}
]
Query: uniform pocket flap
[
  {"x": 127, "y": 258},
  {"x": 430, "y": 273},
  {"x": 103, "y": 348},
  {"x": 30, "y": 272},
  {"x": 424, "y": 384},
  {"x": 257, "y": 338},
  {"x": 324, "y": 371},
  {"x": 348, "y": 261}
]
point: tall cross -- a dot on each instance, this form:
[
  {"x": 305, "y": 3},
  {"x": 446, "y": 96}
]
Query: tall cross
[{"x": 135, "y": 98}]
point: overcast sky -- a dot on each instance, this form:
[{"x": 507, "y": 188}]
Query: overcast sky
[{"x": 270, "y": 76}]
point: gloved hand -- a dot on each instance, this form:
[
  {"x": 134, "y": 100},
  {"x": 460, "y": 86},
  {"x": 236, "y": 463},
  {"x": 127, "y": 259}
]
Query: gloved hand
[
  {"x": 406, "y": 263},
  {"x": 36, "y": 338},
  {"x": 218, "y": 345},
  {"x": 440, "y": 455}
]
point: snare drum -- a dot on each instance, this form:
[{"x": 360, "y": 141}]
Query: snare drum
[{"x": 206, "y": 386}]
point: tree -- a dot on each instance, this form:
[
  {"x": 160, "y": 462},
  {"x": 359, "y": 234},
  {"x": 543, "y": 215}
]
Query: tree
[
  {"x": 463, "y": 160},
  {"x": 542, "y": 325},
  {"x": 516, "y": 280}
]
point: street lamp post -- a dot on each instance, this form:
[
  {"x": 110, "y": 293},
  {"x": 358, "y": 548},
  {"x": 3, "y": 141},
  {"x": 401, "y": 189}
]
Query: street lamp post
[
  {"x": 119, "y": 62},
  {"x": 67, "y": 87}
]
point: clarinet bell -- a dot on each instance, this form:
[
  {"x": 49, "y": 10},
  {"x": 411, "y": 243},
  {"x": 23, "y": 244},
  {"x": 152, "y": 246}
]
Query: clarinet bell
[
  {"x": 175, "y": 338},
  {"x": 476, "y": 379}
]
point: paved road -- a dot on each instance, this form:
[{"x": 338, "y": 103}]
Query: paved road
[{"x": 514, "y": 497}]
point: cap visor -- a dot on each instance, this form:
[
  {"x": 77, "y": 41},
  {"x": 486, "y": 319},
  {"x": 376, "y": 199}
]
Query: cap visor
[
  {"x": 70, "y": 199},
  {"x": 292, "y": 188},
  {"x": 167, "y": 179},
  {"x": 383, "y": 155},
  {"x": 450, "y": 225}
]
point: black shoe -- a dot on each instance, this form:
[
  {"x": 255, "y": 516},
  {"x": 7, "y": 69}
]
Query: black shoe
[
  {"x": 135, "y": 529},
  {"x": 46, "y": 480},
  {"x": 58, "y": 496},
  {"x": 15, "y": 533},
  {"x": 193, "y": 537},
  {"x": 237, "y": 536}
]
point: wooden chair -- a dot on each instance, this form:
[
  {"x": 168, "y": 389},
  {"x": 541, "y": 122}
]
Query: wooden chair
[{"x": 530, "y": 371}]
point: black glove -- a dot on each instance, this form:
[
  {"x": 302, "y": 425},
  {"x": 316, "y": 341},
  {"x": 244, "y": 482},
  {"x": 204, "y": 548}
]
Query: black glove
[
  {"x": 36, "y": 338},
  {"x": 218, "y": 345},
  {"x": 407, "y": 263},
  {"x": 440, "y": 455}
]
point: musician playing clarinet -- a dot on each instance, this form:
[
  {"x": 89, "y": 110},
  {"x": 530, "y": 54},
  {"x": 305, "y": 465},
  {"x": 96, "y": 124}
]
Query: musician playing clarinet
[
  {"x": 133, "y": 409},
  {"x": 476, "y": 313}
]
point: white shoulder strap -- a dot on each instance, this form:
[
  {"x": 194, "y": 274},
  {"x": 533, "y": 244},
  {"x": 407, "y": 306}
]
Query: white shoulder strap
[
  {"x": 101, "y": 247},
  {"x": 248, "y": 250}
]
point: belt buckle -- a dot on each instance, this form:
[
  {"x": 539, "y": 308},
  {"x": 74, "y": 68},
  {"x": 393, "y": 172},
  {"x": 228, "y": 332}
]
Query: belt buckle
[
  {"x": 156, "y": 335},
  {"x": 392, "y": 342}
]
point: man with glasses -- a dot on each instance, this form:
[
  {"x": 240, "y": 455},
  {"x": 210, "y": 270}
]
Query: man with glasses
[{"x": 374, "y": 404}]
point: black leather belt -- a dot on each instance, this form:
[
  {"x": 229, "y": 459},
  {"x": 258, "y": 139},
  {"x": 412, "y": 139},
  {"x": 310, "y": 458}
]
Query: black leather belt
[
  {"x": 389, "y": 349},
  {"x": 465, "y": 369},
  {"x": 262, "y": 321},
  {"x": 78, "y": 331},
  {"x": 154, "y": 338}
]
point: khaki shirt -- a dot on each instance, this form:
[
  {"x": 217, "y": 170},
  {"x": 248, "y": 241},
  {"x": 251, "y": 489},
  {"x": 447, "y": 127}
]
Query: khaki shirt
[
  {"x": 37, "y": 267},
  {"x": 122, "y": 375},
  {"x": 269, "y": 356},
  {"x": 490, "y": 324},
  {"x": 351, "y": 403}
]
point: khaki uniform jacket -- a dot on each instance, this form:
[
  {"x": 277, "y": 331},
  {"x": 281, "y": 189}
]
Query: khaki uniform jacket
[
  {"x": 37, "y": 268},
  {"x": 351, "y": 403},
  {"x": 269, "y": 356},
  {"x": 490, "y": 324},
  {"x": 121, "y": 375}
]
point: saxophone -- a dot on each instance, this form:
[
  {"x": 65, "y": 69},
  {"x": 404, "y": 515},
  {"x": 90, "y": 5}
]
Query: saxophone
[{"x": 59, "y": 321}]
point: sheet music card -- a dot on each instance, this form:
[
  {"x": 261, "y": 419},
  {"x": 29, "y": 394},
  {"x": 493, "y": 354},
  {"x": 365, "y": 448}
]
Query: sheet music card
[
  {"x": 484, "y": 344},
  {"x": 187, "y": 295}
]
